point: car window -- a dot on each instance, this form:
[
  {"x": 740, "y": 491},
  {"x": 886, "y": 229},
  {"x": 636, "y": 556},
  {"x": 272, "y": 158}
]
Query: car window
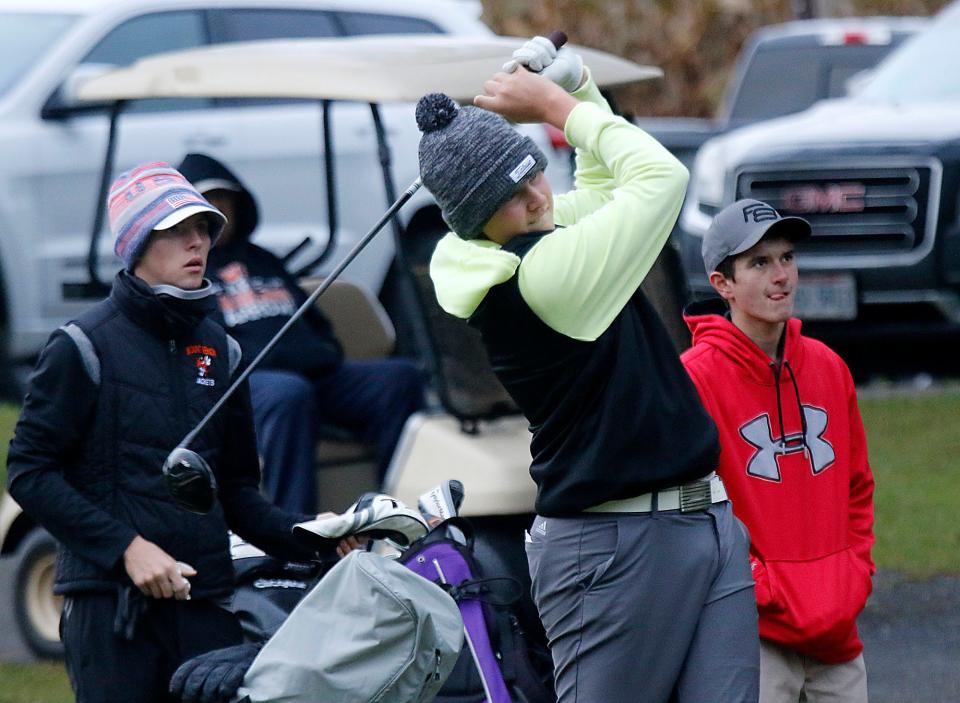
[
  {"x": 257, "y": 24},
  {"x": 24, "y": 37},
  {"x": 152, "y": 34},
  {"x": 782, "y": 81},
  {"x": 356, "y": 23},
  {"x": 251, "y": 25}
]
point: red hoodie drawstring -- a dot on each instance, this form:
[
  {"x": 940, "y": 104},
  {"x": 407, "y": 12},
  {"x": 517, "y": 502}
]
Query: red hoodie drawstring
[
  {"x": 776, "y": 367},
  {"x": 803, "y": 415}
]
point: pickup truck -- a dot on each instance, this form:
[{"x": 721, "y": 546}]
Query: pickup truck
[
  {"x": 786, "y": 68},
  {"x": 877, "y": 175}
]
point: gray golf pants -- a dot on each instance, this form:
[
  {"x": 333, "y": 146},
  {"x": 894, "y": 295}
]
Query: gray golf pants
[{"x": 650, "y": 607}]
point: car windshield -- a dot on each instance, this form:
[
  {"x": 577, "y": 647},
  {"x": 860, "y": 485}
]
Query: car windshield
[
  {"x": 786, "y": 79},
  {"x": 920, "y": 71},
  {"x": 23, "y": 38}
]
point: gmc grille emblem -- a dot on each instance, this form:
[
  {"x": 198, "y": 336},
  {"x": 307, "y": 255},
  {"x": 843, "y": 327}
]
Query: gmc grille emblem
[{"x": 831, "y": 197}]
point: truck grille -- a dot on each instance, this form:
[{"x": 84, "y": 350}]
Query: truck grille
[{"x": 881, "y": 211}]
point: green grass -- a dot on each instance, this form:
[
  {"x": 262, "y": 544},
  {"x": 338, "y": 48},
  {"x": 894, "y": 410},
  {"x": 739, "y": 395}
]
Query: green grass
[
  {"x": 8, "y": 419},
  {"x": 915, "y": 455},
  {"x": 34, "y": 683}
]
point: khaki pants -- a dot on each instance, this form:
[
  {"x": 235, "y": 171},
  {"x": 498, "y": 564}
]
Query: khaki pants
[{"x": 788, "y": 677}]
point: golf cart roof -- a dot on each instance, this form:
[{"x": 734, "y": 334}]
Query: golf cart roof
[{"x": 373, "y": 69}]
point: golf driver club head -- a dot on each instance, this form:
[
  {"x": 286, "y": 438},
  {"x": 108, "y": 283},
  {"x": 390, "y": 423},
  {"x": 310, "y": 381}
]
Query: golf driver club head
[{"x": 190, "y": 480}]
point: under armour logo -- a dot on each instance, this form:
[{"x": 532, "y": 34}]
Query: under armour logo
[
  {"x": 759, "y": 212},
  {"x": 763, "y": 463}
]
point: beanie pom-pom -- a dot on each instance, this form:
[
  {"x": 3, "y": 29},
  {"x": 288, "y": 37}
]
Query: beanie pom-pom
[{"x": 435, "y": 111}]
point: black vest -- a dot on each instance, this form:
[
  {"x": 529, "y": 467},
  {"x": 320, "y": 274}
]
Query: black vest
[
  {"x": 611, "y": 419},
  {"x": 159, "y": 373}
]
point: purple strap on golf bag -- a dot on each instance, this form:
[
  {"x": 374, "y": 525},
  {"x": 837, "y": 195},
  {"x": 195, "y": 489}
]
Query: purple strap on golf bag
[{"x": 442, "y": 562}]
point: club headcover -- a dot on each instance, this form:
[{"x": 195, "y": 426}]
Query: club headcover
[
  {"x": 375, "y": 515},
  {"x": 441, "y": 502}
]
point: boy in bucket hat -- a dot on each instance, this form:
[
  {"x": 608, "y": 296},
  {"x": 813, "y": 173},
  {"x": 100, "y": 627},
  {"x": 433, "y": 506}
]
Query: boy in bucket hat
[
  {"x": 794, "y": 456},
  {"x": 113, "y": 392},
  {"x": 639, "y": 568}
]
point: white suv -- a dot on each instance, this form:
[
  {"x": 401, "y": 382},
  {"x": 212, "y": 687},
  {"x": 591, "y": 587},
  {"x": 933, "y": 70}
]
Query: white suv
[{"x": 53, "y": 153}]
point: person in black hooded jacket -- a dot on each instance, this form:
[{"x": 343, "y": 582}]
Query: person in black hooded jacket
[
  {"x": 113, "y": 392},
  {"x": 305, "y": 380}
]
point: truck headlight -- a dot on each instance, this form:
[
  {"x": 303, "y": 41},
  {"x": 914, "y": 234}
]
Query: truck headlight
[
  {"x": 705, "y": 197},
  {"x": 708, "y": 177}
]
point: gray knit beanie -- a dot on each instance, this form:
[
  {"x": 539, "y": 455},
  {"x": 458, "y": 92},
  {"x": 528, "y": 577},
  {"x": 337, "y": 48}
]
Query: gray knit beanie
[{"x": 472, "y": 161}]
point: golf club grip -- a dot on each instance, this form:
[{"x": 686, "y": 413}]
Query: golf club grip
[{"x": 558, "y": 38}]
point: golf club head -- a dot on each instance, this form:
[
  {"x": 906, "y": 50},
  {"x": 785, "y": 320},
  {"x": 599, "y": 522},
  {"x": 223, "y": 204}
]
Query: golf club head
[{"x": 190, "y": 480}]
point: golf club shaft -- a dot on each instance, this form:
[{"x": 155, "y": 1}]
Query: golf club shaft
[{"x": 400, "y": 202}]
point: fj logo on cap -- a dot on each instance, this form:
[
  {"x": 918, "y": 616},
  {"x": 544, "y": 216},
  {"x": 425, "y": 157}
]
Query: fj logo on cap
[
  {"x": 759, "y": 212},
  {"x": 523, "y": 168}
]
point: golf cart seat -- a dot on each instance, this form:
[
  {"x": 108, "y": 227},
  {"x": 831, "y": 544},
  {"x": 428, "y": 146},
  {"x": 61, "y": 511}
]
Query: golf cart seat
[
  {"x": 467, "y": 386},
  {"x": 365, "y": 332},
  {"x": 359, "y": 320}
]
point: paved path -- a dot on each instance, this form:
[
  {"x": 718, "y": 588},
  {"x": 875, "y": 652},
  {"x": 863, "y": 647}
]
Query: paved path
[{"x": 911, "y": 631}]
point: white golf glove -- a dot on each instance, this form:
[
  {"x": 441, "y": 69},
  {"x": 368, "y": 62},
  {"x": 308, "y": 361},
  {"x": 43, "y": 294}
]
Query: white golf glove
[{"x": 563, "y": 67}]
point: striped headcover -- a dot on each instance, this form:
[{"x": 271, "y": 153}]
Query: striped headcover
[{"x": 143, "y": 197}]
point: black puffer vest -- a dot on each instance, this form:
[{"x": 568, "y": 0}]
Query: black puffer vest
[
  {"x": 613, "y": 418},
  {"x": 162, "y": 365}
]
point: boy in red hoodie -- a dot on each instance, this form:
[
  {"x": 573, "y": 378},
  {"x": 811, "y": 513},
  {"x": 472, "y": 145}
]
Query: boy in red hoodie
[{"x": 793, "y": 456}]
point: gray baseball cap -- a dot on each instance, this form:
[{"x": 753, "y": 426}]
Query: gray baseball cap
[{"x": 742, "y": 224}]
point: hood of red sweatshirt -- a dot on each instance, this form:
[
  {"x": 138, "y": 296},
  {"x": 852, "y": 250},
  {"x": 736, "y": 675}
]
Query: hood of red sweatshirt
[{"x": 710, "y": 325}]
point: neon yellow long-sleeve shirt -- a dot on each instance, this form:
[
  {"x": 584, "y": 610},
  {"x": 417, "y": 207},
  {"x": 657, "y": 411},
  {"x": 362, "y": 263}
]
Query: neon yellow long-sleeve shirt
[{"x": 610, "y": 229}]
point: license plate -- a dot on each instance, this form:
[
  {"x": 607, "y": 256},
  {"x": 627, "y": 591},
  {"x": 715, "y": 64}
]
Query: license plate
[{"x": 826, "y": 296}]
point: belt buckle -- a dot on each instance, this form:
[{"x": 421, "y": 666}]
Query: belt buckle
[{"x": 695, "y": 496}]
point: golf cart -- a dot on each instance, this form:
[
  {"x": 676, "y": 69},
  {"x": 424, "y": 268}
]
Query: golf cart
[{"x": 474, "y": 432}]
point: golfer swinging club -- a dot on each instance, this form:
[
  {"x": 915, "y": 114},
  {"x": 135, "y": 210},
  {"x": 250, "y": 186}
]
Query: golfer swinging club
[{"x": 640, "y": 570}]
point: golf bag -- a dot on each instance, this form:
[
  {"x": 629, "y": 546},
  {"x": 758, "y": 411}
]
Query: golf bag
[
  {"x": 267, "y": 589},
  {"x": 500, "y": 663},
  {"x": 370, "y": 631}
]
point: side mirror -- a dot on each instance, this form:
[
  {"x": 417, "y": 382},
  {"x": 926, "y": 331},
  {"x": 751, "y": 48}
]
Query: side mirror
[{"x": 64, "y": 101}]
